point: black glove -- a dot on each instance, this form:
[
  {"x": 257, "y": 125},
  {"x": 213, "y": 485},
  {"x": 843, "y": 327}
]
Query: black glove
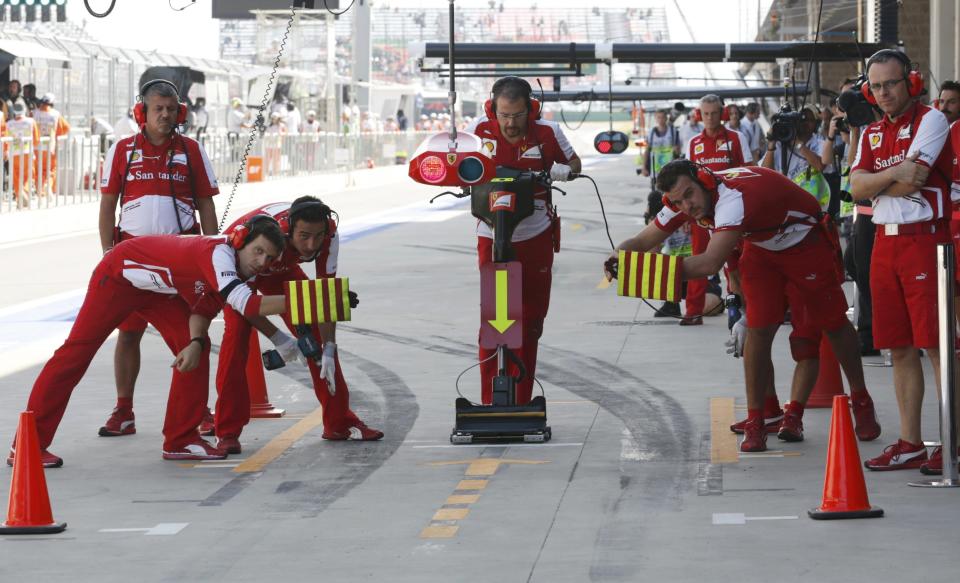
[
  {"x": 354, "y": 301},
  {"x": 612, "y": 265}
]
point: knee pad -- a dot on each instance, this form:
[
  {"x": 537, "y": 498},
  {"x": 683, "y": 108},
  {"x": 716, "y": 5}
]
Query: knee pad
[{"x": 804, "y": 349}]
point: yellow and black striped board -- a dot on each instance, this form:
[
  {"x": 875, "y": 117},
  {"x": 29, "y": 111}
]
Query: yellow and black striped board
[
  {"x": 315, "y": 301},
  {"x": 652, "y": 276}
]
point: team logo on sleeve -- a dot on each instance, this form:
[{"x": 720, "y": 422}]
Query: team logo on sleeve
[
  {"x": 698, "y": 149},
  {"x": 904, "y": 133},
  {"x": 489, "y": 147},
  {"x": 875, "y": 140}
]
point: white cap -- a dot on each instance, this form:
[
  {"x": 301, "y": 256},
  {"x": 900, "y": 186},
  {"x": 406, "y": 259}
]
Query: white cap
[
  {"x": 311, "y": 112},
  {"x": 47, "y": 98}
]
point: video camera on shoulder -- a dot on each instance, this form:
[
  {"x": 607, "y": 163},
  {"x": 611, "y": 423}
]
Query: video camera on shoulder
[
  {"x": 785, "y": 124},
  {"x": 852, "y": 102}
]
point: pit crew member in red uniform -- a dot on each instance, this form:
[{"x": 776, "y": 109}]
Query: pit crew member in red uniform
[
  {"x": 311, "y": 233},
  {"x": 160, "y": 178},
  {"x": 787, "y": 252},
  {"x": 903, "y": 166},
  {"x": 716, "y": 148},
  {"x": 515, "y": 136},
  {"x": 177, "y": 284}
]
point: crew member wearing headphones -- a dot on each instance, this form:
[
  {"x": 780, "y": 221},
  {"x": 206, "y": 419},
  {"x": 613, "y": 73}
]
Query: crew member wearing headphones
[
  {"x": 903, "y": 166},
  {"x": 514, "y": 136},
  {"x": 160, "y": 179},
  {"x": 177, "y": 284},
  {"x": 716, "y": 148},
  {"x": 311, "y": 233},
  {"x": 788, "y": 252}
]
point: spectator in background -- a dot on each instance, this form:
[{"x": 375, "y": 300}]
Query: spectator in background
[
  {"x": 402, "y": 121},
  {"x": 30, "y": 97},
  {"x": 12, "y": 97},
  {"x": 949, "y": 101},
  {"x": 750, "y": 127},
  {"x": 292, "y": 119},
  {"x": 26, "y": 137},
  {"x": 125, "y": 126},
  {"x": 310, "y": 125},
  {"x": 273, "y": 143},
  {"x": 53, "y": 126},
  {"x": 238, "y": 120},
  {"x": 688, "y": 130},
  {"x": 201, "y": 118}
]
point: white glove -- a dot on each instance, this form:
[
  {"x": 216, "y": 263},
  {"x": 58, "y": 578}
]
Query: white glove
[
  {"x": 328, "y": 367},
  {"x": 287, "y": 346},
  {"x": 559, "y": 172},
  {"x": 738, "y": 335}
]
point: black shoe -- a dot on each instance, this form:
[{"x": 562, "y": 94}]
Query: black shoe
[{"x": 668, "y": 310}]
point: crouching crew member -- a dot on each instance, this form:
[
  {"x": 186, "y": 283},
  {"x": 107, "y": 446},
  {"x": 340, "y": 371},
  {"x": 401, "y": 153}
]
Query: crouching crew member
[
  {"x": 788, "y": 251},
  {"x": 311, "y": 234},
  {"x": 177, "y": 284}
]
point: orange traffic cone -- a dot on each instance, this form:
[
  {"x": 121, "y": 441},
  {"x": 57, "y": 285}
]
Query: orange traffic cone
[
  {"x": 28, "y": 511},
  {"x": 844, "y": 490},
  {"x": 829, "y": 381},
  {"x": 260, "y": 406}
]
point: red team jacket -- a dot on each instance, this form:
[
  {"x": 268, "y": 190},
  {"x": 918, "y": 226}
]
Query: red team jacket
[
  {"x": 146, "y": 207},
  {"x": 729, "y": 149}
]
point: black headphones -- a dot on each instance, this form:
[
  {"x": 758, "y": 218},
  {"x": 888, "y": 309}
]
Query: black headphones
[
  {"x": 510, "y": 81},
  {"x": 297, "y": 208}
]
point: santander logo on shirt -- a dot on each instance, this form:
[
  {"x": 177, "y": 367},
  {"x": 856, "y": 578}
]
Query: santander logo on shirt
[{"x": 883, "y": 163}]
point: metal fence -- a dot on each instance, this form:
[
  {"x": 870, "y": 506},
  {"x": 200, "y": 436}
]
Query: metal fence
[{"x": 32, "y": 178}]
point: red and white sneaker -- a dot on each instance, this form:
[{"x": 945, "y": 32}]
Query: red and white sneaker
[
  {"x": 48, "y": 459},
  {"x": 934, "y": 465},
  {"x": 865, "y": 417},
  {"x": 791, "y": 428},
  {"x": 229, "y": 444},
  {"x": 198, "y": 450},
  {"x": 120, "y": 422},
  {"x": 754, "y": 436},
  {"x": 901, "y": 455},
  {"x": 772, "y": 420},
  {"x": 207, "y": 427},
  {"x": 358, "y": 432}
]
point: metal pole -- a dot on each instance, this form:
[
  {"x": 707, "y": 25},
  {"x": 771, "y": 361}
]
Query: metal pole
[
  {"x": 453, "y": 83},
  {"x": 948, "y": 336}
]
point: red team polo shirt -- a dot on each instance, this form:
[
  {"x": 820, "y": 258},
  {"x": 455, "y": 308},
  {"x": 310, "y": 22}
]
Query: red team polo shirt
[
  {"x": 146, "y": 206},
  {"x": 885, "y": 144},
  {"x": 201, "y": 270},
  {"x": 744, "y": 201},
  {"x": 326, "y": 258},
  {"x": 543, "y": 145},
  {"x": 728, "y": 149}
]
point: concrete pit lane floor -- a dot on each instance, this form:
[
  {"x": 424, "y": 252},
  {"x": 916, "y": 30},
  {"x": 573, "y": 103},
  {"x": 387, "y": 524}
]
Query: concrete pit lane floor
[{"x": 641, "y": 482}]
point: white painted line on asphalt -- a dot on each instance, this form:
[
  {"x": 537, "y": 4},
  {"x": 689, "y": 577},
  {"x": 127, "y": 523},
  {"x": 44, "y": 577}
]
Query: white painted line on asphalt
[
  {"x": 736, "y": 518},
  {"x": 630, "y": 451},
  {"x": 162, "y": 529},
  {"x": 48, "y": 239},
  {"x": 466, "y": 445}
]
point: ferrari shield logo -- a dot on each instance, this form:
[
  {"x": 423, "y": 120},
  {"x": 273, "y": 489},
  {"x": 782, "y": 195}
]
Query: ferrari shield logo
[
  {"x": 698, "y": 149},
  {"x": 875, "y": 140},
  {"x": 451, "y": 159}
]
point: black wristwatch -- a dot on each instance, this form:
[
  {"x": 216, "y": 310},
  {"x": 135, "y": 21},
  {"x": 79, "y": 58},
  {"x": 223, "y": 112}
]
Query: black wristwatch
[{"x": 203, "y": 340}]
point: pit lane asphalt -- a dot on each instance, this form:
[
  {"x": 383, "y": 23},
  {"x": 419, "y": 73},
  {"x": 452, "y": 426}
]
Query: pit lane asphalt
[{"x": 626, "y": 491}]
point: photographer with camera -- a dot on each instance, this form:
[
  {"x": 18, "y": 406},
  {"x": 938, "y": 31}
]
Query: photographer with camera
[
  {"x": 795, "y": 149},
  {"x": 903, "y": 166}
]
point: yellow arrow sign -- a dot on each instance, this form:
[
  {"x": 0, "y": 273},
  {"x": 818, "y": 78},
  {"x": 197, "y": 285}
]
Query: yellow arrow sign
[
  {"x": 501, "y": 324},
  {"x": 486, "y": 466}
]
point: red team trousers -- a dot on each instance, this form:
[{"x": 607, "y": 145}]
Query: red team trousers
[
  {"x": 233, "y": 394},
  {"x": 109, "y": 300},
  {"x": 697, "y": 288},
  {"x": 536, "y": 256}
]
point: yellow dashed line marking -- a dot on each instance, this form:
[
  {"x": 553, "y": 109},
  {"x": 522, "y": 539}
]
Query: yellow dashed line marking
[
  {"x": 451, "y": 514},
  {"x": 576, "y": 227},
  {"x": 279, "y": 444},
  {"x": 462, "y": 498},
  {"x": 439, "y": 532},
  {"x": 440, "y": 525},
  {"x": 723, "y": 442}
]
